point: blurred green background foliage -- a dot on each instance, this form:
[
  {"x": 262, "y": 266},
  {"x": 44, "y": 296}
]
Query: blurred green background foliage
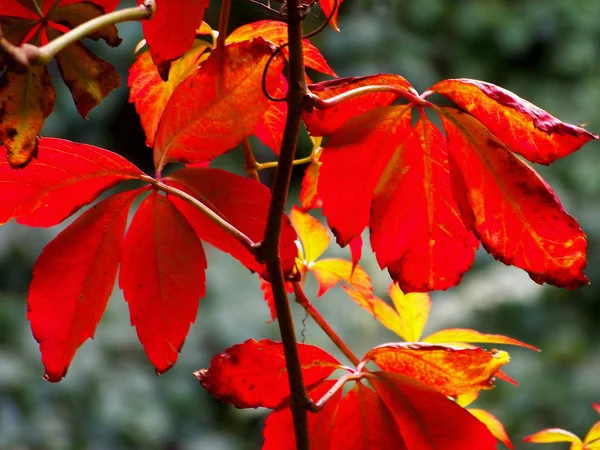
[{"x": 547, "y": 51}]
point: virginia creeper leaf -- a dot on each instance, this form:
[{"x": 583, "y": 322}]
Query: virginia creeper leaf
[
  {"x": 276, "y": 32},
  {"x": 279, "y": 427},
  {"x": 331, "y": 9},
  {"x": 66, "y": 177},
  {"x": 427, "y": 419},
  {"x": 413, "y": 309},
  {"x": 83, "y": 260},
  {"x": 514, "y": 213},
  {"x": 267, "y": 289},
  {"x": 523, "y": 127},
  {"x": 172, "y": 30},
  {"x": 451, "y": 370},
  {"x": 460, "y": 335},
  {"x": 363, "y": 422},
  {"x": 313, "y": 236},
  {"x": 493, "y": 424},
  {"x": 552, "y": 435},
  {"x": 151, "y": 93},
  {"x": 330, "y": 272},
  {"x": 162, "y": 277},
  {"x": 244, "y": 203},
  {"x": 271, "y": 125},
  {"x": 593, "y": 434},
  {"x": 323, "y": 122},
  {"x": 309, "y": 197},
  {"x": 254, "y": 373},
  {"x": 26, "y": 99},
  {"x": 218, "y": 106}
]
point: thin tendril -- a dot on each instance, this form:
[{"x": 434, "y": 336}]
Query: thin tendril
[
  {"x": 304, "y": 326},
  {"x": 280, "y": 48}
]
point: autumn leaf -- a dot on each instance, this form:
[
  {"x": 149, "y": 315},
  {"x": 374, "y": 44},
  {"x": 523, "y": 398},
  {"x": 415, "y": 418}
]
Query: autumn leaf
[
  {"x": 331, "y": 9},
  {"x": 551, "y": 435},
  {"x": 28, "y": 98},
  {"x": 217, "y": 107},
  {"x": 65, "y": 177},
  {"x": 461, "y": 335},
  {"x": 451, "y": 370},
  {"x": 151, "y": 93},
  {"x": 254, "y": 373},
  {"x": 87, "y": 254},
  {"x": 172, "y": 30},
  {"x": 493, "y": 424},
  {"x": 162, "y": 277}
]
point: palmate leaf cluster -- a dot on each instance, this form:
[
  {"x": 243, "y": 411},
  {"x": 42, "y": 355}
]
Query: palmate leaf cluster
[{"x": 559, "y": 241}]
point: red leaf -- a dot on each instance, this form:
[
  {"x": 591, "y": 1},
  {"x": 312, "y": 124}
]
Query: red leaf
[
  {"x": 66, "y": 177},
  {"x": 279, "y": 427},
  {"x": 271, "y": 125},
  {"x": 513, "y": 211},
  {"x": 350, "y": 170},
  {"x": 363, "y": 422},
  {"x": 172, "y": 30},
  {"x": 416, "y": 228},
  {"x": 162, "y": 277},
  {"x": 356, "y": 245},
  {"x": 309, "y": 197},
  {"x": 244, "y": 203},
  {"x": 267, "y": 289},
  {"x": 427, "y": 419},
  {"x": 523, "y": 127},
  {"x": 254, "y": 373},
  {"x": 493, "y": 424},
  {"x": 330, "y": 9},
  {"x": 277, "y": 33},
  {"x": 324, "y": 122},
  {"x": 72, "y": 282},
  {"x": 217, "y": 107},
  {"x": 150, "y": 93}
]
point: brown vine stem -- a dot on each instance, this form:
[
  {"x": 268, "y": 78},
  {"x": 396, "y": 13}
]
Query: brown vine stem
[
  {"x": 269, "y": 248},
  {"x": 251, "y": 166},
  {"x": 223, "y": 24},
  {"x": 244, "y": 240},
  {"x": 412, "y": 96},
  {"x": 303, "y": 301}
]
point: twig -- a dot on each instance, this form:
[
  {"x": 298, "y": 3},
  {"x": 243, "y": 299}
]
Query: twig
[
  {"x": 251, "y": 166},
  {"x": 223, "y": 24},
  {"x": 269, "y": 249},
  {"x": 303, "y": 301}
]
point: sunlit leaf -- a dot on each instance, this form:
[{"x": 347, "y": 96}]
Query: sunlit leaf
[
  {"x": 552, "y": 435},
  {"x": 459, "y": 335},
  {"x": 493, "y": 424},
  {"x": 413, "y": 310}
]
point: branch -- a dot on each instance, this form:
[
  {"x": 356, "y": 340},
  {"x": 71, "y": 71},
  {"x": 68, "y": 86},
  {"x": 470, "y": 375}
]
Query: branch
[
  {"x": 229, "y": 228},
  {"x": 28, "y": 54},
  {"x": 269, "y": 249},
  {"x": 223, "y": 24},
  {"x": 303, "y": 301}
]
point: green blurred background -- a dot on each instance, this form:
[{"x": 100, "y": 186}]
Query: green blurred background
[{"x": 547, "y": 51}]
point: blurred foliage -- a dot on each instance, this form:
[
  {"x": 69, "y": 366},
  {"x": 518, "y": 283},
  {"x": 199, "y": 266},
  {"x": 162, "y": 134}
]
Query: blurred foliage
[{"x": 547, "y": 51}]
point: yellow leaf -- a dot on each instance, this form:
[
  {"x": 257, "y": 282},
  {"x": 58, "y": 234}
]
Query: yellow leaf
[{"x": 413, "y": 310}]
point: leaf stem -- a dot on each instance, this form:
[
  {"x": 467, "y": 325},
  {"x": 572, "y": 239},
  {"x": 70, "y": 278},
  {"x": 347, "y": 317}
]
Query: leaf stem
[
  {"x": 336, "y": 387},
  {"x": 303, "y": 301},
  {"x": 412, "y": 96},
  {"x": 141, "y": 12},
  {"x": 251, "y": 165},
  {"x": 269, "y": 248},
  {"x": 223, "y": 24},
  {"x": 273, "y": 164},
  {"x": 241, "y": 237}
]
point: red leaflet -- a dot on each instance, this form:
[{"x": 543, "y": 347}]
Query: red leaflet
[
  {"x": 254, "y": 373},
  {"x": 151, "y": 93},
  {"x": 512, "y": 210},
  {"x": 86, "y": 254},
  {"x": 363, "y": 422},
  {"x": 427, "y": 419},
  {"x": 270, "y": 126},
  {"x": 243, "y": 202},
  {"x": 162, "y": 277},
  {"x": 277, "y": 33},
  {"x": 65, "y": 177},
  {"x": 267, "y": 289},
  {"x": 331, "y": 9},
  {"x": 172, "y": 30},
  {"x": 323, "y": 122},
  {"x": 279, "y": 427},
  {"x": 451, "y": 370},
  {"x": 493, "y": 424},
  {"x": 524, "y": 128},
  {"x": 217, "y": 107},
  {"x": 309, "y": 197}
]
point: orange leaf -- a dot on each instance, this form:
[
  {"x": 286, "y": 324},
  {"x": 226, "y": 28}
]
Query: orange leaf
[
  {"x": 87, "y": 255},
  {"x": 363, "y": 422},
  {"x": 550, "y": 435},
  {"x": 217, "y": 107},
  {"x": 150, "y": 93},
  {"x": 459, "y": 335},
  {"x": 523, "y": 127},
  {"x": 162, "y": 277},
  {"x": 309, "y": 197},
  {"x": 323, "y": 122},
  {"x": 427, "y": 419},
  {"x": 493, "y": 424},
  {"x": 254, "y": 373},
  {"x": 330, "y": 272},
  {"x": 331, "y": 9},
  {"x": 451, "y": 370},
  {"x": 279, "y": 426},
  {"x": 271, "y": 125},
  {"x": 413, "y": 310},
  {"x": 512, "y": 210},
  {"x": 313, "y": 236}
]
